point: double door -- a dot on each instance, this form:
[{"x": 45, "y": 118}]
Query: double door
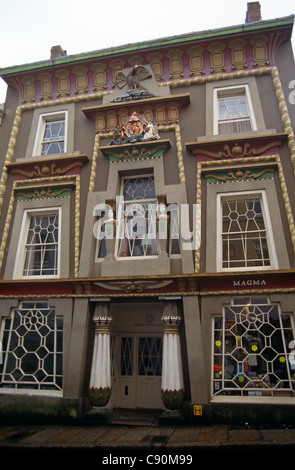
[{"x": 138, "y": 371}]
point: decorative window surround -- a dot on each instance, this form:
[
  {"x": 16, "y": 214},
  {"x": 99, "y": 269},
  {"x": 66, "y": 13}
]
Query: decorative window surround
[
  {"x": 43, "y": 116},
  {"x": 277, "y": 246},
  {"x": 51, "y": 135},
  {"x": 247, "y": 86},
  {"x": 136, "y": 151}
]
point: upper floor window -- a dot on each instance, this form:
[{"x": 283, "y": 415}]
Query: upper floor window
[
  {"x": 245, "y": 232},
  {"x": 39, "y": 246},
  {"x": 233, "y": 111},
  {"x": 138, "y": 217},
  {"x": 51, "y": 134}
]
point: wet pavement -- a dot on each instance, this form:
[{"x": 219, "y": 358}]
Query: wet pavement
[{"x": 142, "y": 437}]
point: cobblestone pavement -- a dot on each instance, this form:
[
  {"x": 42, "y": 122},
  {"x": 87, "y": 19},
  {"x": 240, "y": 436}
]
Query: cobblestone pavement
[{"x": 141, "y": 437}]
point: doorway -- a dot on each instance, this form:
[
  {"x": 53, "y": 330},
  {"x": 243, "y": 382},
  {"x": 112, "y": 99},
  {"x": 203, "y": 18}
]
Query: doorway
[{"x": 138, "y": 371}]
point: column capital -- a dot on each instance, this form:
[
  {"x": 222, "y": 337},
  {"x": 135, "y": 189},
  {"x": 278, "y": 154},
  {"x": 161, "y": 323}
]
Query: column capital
[
  {"x": 102, "y": 324},
  {"x": 171, "y": 323}
]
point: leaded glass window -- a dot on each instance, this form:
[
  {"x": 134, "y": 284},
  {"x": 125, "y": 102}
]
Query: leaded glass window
[
  {"x": 253, "y": 349},
  {"x": 243, "y": 233},
  {"x": 32, "y": 343},
  {"x": 54, "y": 137},
  {"x": 138, "y": 217},
  {"x": 42, "y": 245},
  {"x": 233, "y": 115}
]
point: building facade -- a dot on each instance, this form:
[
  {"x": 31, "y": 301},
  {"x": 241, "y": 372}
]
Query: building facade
[{"x": 147, "y": 222}]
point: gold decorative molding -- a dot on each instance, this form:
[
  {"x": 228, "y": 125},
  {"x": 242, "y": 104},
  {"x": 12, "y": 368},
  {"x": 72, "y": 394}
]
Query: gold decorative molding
[
  {"x": 217, "y": 57},
  {"x": 175, "y": 63},
  {"x": 239, "y": 174},
  {"x": 155, "y": 59},
  {"x": 63, "y": 82},
  {"x": 29, "y": 89},
  {"x": 236, "y": 150},
  {"x": 99, "y": 76},
  {"x": 46, "y": 85},
  {"x": 260, "y": 51},
  {"x": 196, "y": 60},
  {"x": 238, "y": 54},
  {"x": 81, "y": 79}
]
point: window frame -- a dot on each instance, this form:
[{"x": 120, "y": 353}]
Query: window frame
[
  {"x": 258, "y": 303},
  {"x": 59, "y": 326},
  {"x": 227, "y": 92},
  {"x": 261, "y": 194},
  {"x": 121, "y": 217},
  {"x": 18, "y": 272},
  {"x": 44, "y": 118}
]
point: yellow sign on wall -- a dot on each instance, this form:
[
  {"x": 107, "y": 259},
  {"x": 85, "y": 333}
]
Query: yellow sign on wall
[{"x": 198, "y": 410}]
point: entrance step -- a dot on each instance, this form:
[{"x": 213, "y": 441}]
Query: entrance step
[{"x": 138, "y": 417}]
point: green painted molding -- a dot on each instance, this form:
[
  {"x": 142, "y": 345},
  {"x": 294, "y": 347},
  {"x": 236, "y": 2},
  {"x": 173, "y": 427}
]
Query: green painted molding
[{"x": 156, "y": 43}]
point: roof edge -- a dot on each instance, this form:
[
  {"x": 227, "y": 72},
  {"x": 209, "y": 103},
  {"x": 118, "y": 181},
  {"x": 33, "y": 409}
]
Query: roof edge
[{"x": 154, "y": 43}]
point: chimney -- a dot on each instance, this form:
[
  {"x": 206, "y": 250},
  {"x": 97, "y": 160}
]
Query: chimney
[
  {"x": 56, "y": 52},
  {"x": 253, "y": 12}
]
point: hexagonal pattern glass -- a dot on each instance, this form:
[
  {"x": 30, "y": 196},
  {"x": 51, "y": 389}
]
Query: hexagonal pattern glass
[
  {"x": 41, "y": 248},
  {"x": 253, "y": 349},
  {"x": 54, "y": 138},
  {"x": 244, "y": 240},
  {"x": 233, "y": 115},
  {"x": 32, "y": 348}
]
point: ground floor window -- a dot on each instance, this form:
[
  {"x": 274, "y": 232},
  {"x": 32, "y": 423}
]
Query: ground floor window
[
  {"x": 32, "y": 348},
  {"x": 253, "y": 349}
]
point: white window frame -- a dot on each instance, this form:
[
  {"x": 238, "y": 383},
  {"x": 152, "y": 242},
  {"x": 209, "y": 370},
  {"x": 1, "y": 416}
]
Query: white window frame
[
  {"x": 20, "y": 253},
  {"x": 120, "y": 218},
  {"x": 268, "y": 228},
  {"x": 242, "y": 89},
  {"x": 14, "y": 387},
  {"x": 43, "y": 119}
]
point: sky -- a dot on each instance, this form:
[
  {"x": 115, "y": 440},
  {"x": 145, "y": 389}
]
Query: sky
[{"x": 30, "y": 28}]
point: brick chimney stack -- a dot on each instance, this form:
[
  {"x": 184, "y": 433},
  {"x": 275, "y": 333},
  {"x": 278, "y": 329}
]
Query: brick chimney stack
[
  {"x": 56, "y": 52},
  {"x": 253, "y": 12}
]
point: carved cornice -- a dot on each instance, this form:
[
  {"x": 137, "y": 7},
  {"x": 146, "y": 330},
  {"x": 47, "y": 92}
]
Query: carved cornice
[
  {"x": 237, "y": 147},
  {"x": 136, "y": 151},
  {"x": 46, "y": 167}
]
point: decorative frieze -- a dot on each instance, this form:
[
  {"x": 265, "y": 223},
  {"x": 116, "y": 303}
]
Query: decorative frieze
[
  {"x": 238, "y": 54},
  {"x": 63, "y": 83},
  {"x": 260, "y": 54},
  {"x": 81, "y": 79},
  {"x": 29, "y": 89},
  {"x": 196, "y": 60},
  {"x": 217, "y": 57}
]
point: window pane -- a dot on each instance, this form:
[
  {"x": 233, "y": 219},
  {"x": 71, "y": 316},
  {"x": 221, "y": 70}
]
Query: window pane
[
  {"x": 233, "y": 115},
  {"x": 53, "y": 139},
  {"x": 31, "y": 341},
  {"x": 252, "y": 345},
  {"x": 139, "y": 218},
  {"x": 150, "y": 356},
  {"x": 244, "y": 241},
  {"x": 41, "y": 249}
]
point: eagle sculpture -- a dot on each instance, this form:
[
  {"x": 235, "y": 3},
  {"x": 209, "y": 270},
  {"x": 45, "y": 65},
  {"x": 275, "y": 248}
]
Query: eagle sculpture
[{"x": 136, "y": 75}]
